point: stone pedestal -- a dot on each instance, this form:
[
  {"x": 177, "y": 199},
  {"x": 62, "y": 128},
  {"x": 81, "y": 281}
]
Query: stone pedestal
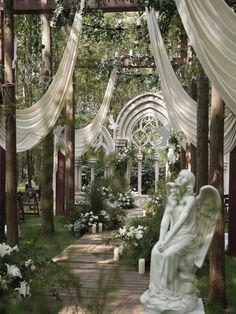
[{"x": 198, "y": 310}]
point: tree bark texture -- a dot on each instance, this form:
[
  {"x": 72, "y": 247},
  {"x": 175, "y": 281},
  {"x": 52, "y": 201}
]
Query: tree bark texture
[
  {"x": 217, "y": 292},
  {"x": 70, "y": 155},
  {"x": 202, "y": 131},
  {"x": 10, "y": 111},
  {"x": 47, "y": 146},
  {"x": 2, "y": 194},
  {"x": 2, "y": 151},
  {"x": 232, "y": 205},
  {"x": 60, "y": 185},
  {"x": 192, "y": 149},
  {"x": 29, "y": 166}
]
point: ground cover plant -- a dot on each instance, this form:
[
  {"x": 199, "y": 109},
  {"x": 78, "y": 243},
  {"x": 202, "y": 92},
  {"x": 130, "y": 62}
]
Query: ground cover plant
[
  {"x": 32, "y": 282},
  {"x": 104, "y": 203}
]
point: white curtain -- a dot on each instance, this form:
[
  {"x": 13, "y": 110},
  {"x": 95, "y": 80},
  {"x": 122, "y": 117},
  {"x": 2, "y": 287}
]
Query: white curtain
[
  {"x": 211, "y": 28},
  {"x": 86, "y": 136},
  {"x": 182, "y": 109},
  {"x": 35, "y": 122}
]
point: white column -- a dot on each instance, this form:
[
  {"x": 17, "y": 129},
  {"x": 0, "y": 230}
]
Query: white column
[
  {"x": 92, "y": 165},
  {"x": 140, "y": 159},
  {"x": 80, "y": 175},
  {"x": 156, "y": 164},
  {"x": 76, "y": 172}
]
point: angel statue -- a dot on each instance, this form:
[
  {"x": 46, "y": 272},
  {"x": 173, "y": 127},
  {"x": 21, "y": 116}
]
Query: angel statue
[{"x": 186, "y": 231}]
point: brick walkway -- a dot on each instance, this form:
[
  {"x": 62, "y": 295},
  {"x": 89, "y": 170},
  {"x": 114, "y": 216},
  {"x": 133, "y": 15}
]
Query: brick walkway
[{"x": 106, "y": 286}]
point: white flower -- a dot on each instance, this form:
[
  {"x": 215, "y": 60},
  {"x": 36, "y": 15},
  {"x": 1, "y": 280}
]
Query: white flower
[
  {"x": 33, "y": 267},
  {"x": 3, "y": 283},
  {"x": 5, "y": 249},
  {"x": 171, "y": 155},
  {"x": 139, "y": 235},
  {"x": 24, "y": 289},
  {"x": 13, "y": 271},
  {"x": 70, "y": 227},
  {"x": 28, "y": 262},
  {"x": 122, "y": 231},
  {"x": 15, "y": 248}
]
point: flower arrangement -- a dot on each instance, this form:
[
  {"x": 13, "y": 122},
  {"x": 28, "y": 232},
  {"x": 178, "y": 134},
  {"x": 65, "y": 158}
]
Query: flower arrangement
[
  {"x": 123, "y": 155},
  {"x": 173, "y": 150},
  {"x": 126, "y": 199},
  {"x": 83, "y": 223}
]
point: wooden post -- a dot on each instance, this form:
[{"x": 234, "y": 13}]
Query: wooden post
[
  {"x": 217, "y": 292},
  {"x": 232, "y": 205},
  {"x": 2, "y": 152},
  {"x": 10, "y": 109},
  {"x": 202, "y": 131},
  {"x": 48, "y": 145},
  {"x": 70, "y": 151},
  {"x": 60, "y": 185},
  {"x": 2, "y": 194},
  {"x": 193, "y": 152}
]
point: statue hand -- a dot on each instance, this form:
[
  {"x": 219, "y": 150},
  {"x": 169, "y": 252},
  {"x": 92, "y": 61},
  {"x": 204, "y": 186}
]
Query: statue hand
[{"x": 159, "y": 246}]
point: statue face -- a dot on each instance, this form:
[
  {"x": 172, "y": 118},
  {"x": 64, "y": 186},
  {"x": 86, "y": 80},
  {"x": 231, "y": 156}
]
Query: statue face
[
  {"x": 181, "y": 179},
  {"x": 175, "y": 193},
  {"x": 186, "y": 178}
]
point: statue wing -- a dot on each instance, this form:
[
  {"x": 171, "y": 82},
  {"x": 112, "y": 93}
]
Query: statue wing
[{"x": 208, "y": 210}]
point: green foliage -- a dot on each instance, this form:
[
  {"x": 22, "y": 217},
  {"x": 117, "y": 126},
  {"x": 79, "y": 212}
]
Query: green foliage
[
  {"x": 45, "y": 278},
  {"x": 136, "y": 244},
  {"x": 104, "y": 203}
]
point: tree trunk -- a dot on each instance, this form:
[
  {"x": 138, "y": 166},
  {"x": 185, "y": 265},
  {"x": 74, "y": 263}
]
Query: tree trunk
[
  {"x": 47, "y": 146},
  {"x": 2, "y": 151},
  {"x": 217, "y": 292},
  {"x": 60, "y": 185},
  {"x": 183, "y": 159},
  {"x": 9, "y": 102},
  {"x": 192, "y": 151},
  {"x": 29, "y": 166},
  {"x": 202, "y": 131},
  {"x": 2, "y": 195},
  {"x": 232, "y": 205},
  {"x": 70, "y": 158}
]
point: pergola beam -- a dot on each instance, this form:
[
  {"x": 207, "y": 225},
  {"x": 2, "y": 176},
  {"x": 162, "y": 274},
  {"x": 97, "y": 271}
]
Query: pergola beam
[
  {"x": 43, "y": 6},
  {"x": 127, "y": 62}
]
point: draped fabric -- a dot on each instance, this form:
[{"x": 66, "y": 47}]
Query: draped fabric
[
  {"x": 211, "y": 28},
  {"x": 35, "y": 122},
  {"x": 86, "y": 136},
  {"x": 182, "y": 109}
]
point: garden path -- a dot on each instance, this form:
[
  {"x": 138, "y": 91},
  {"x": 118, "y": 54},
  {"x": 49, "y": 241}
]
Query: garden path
[{"x": 106, "y": 286}]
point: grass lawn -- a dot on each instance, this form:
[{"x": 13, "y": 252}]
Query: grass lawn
[
  {"x": 51, "y": 244},
  {"x": 203, "y": 285},
  {"x": 51, "y": 279}
]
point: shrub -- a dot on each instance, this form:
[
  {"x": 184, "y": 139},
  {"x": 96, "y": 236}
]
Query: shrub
[{"x": 137, "y": 238}]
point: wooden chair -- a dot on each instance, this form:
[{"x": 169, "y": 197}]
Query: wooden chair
[{"x": 30, "y": 202}]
